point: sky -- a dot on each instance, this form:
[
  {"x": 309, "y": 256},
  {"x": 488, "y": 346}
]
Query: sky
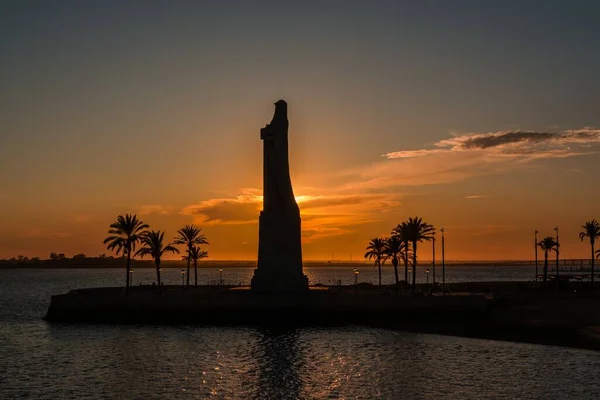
[{"x": 479, "y": 116}]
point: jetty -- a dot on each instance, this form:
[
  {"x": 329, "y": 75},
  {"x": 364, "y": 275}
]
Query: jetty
[{"x": 571, "y": 319}]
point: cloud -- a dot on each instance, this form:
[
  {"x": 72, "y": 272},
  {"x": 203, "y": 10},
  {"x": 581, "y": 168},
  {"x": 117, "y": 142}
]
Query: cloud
[
  {"x": 466, "y": 156},
  {"x": 154, "y": 209},
  {"x": 527, "y": 144},
  {"x": 242, "y": 209},
  {"x": 474, "y": 197},
  {"x": 42, "y": 233},
  {"x": 322, "y": 215},
  {"x": 82, "y": 219}
]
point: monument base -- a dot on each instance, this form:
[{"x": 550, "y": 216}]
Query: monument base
[{"x": 278, "y": 281}]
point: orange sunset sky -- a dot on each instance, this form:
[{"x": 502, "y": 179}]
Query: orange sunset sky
[{"x": 482, "y": 120}]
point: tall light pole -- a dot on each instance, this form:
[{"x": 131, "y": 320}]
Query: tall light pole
[
  {"x": 182, "y": 277},
  {"x": 557, "y": 245},
  {"x": 356, "y": 276},
  {"x": 443, "y": 264},
  {"x": 535, "y": 245},
  {"x": 433, "y": 262},
  {"x": 220, "y": 276}
]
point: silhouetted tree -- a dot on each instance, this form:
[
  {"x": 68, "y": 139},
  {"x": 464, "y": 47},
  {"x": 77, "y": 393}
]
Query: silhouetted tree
[
  {"x": 195, "y": 255},
  {"x": 547, "y": 244},
  {"x": 376, "y": 252},
  {"x": 124, "y": 234},
  {"x": 394, "y": 248},
  {"x": 400, "y": 232},
  {"x": 591, "y": 230},
  {"x": 190, "y": 236},
  {"x": 152, "y": 245},
  {"x": 79, "y": 256},
  {"x": 417, "y": 230}
]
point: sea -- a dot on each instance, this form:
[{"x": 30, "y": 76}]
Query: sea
[{"x": 40, "y": 360}]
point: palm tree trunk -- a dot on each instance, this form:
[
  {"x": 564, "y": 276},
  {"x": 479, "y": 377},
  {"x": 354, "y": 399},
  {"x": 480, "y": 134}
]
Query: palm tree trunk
[
  {"x": 414, "y": 267},
  {"x": 157, "y": 262},
  {"x": 395, "y": 264},
  {"x": 545, "y": 268},
  {"x": 593, "y": 265},
  {"x": 127, "y": 283},
  {"x": 379, "y": 268},
  {"x": 406, "y": 263},
  {"x": 195, "y": 272},
  {"x": 188, "y": 266}
]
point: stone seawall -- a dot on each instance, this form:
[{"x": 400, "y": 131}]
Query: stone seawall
[
  {"x": 231, "y": 307},
  {"x": 561, "y": 320}
]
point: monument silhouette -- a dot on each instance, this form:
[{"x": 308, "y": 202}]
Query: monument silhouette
[{"x": 279, "y": 247}]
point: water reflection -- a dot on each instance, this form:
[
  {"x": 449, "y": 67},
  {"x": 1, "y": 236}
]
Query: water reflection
[{"x": 279, "y": 362}]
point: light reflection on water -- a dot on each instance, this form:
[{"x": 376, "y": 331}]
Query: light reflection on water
[{"x": 44, "y": 361}]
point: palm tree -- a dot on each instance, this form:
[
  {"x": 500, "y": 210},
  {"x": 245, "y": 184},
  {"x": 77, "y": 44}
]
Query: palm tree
[
  {"x": 153, "y": 246},
  {"x": 547, "y": 244},
  {"x": 376, "y": 251},
  {"x": 124, "y": 234},
  {"x": 591, "y": 230},
  {"x": 195, "y": 255},
  {"x": 190, "y": 236},
  {"x": 394, "y": 248},
  {"x": 416, "y": 230},
  {"x": 400, "y": 232}
]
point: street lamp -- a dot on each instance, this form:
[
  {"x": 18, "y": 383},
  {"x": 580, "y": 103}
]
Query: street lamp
[
  {"x": 409, "y": 275},
  {"x": 356, "y": 276},
  {"x": 535, "y": 244},
  {"x": 557, "y": 245},
  {"x": 443, "y": 263},
  {"x": 182, "y": 277},
  {"x": 131, "y": 277},
  {"x": 427, "y": 275},
  {"x": 220, "y": 276},
  {"x": 433, "y": 262}
]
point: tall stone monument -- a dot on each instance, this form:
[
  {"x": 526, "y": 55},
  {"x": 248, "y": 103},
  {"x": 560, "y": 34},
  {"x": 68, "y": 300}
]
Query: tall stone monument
[{"x": 279, "y": 249}]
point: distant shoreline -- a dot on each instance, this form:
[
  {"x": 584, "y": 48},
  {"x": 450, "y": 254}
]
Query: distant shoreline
[
  {"x": 115, "y": 263},
  {"x": 226, "y": 264}
]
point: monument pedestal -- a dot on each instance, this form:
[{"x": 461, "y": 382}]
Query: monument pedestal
[{"x": 279, "y": 254}]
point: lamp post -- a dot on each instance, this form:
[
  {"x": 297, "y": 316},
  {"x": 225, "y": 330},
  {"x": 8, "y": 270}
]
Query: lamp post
[
  {"x": 535, "y": 245},
  {"x": 220, "y": 276},
  {"x": 443, "y": 264},
  {"x": 557, "y": 245},
  {"x": 427, "y": 275},
  {"x": 433, "y": 262},
  {"x": 182, "y": 277},
  {"x": 131, "y": 277},
  {"x": 356, "y": 276},
  {"x": 410, "y": 274}
]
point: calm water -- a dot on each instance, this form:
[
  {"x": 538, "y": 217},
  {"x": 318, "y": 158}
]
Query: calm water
[{"x": 43, "y": 361}]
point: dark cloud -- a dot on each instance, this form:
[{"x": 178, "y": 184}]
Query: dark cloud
[
  {"x": 502, "y": 138},
  {"x": 513, "y": 143}
]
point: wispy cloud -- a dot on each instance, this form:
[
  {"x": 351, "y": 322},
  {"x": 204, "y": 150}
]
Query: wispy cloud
[
  {"x": 473, "y": 197},
  {"x": 82, "y": 219},
  {"x": 154, "y": 209},
  {"x": 322, "y": 215},
  {"x": 528, "y": 144},
  {"x": 241, "y": 209},
  {"x": 43, "y": 233},
  {"x": 468, "y": 155}
]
